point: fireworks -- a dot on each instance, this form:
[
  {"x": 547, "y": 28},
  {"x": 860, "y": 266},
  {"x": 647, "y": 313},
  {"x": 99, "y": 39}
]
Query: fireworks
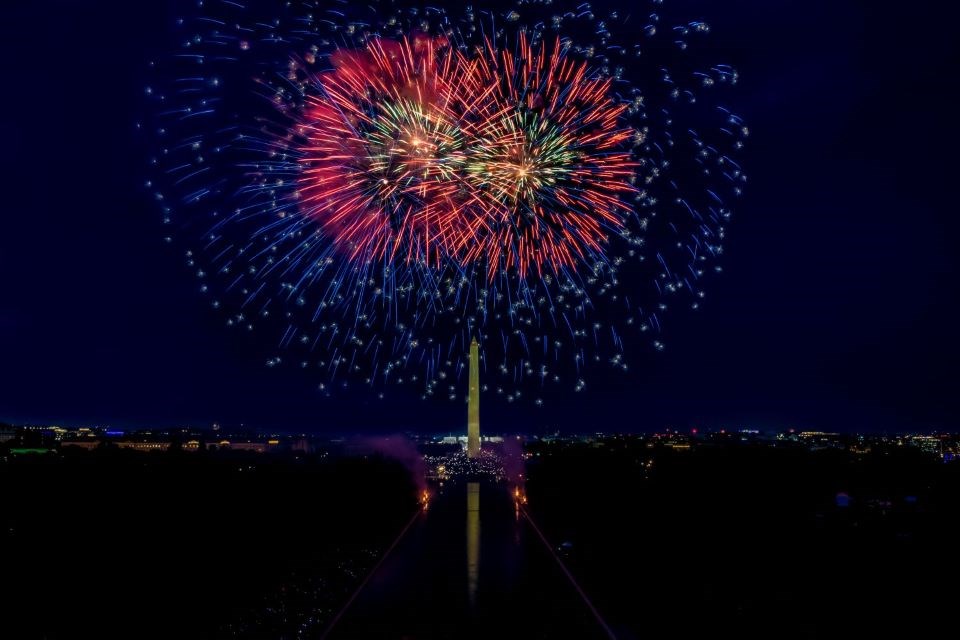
[
  {"x": 380, "y": 185},
  {"x": 420, "y": 153}
]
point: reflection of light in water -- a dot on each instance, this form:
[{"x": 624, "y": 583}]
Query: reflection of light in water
[{"x": 473, "y": 540}]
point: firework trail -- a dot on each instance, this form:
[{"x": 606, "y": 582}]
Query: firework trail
[{"x": 378, "y": 185}]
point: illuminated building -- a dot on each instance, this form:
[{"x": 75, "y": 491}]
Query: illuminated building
[
  {"x": 143, "y": 446},
  {"x": 7, "y": 433},
  {"x": 302, "y": 445},
  {"x": 83, "y": 444},
  {"x": 256, "y": 447},
  {"x": 473, "y": 403},
  {"x": 929, "y": 444}
]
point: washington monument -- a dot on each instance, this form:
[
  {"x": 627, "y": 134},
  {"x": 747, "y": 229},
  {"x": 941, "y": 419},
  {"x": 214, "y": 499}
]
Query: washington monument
[{"x": 473, "y": 403}]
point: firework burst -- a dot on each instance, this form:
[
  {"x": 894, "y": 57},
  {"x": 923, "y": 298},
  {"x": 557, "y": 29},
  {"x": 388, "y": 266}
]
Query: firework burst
[
  {"x": 551, "y": 162},
  {"x": 379, "y": 185},
  {"x": 384, "y": 151}
]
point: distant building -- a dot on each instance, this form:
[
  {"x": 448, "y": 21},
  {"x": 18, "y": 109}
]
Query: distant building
[
  {"x": 302, "y": 445},
  {"x": 81, "y": 444},
  {"x": 143, "y": 446},
  {"x": 258, "y": 447},
  {"x": 929, "y": 444},
  {"x": 7, "y": 433},
  {"x": 244, "y": 445}
]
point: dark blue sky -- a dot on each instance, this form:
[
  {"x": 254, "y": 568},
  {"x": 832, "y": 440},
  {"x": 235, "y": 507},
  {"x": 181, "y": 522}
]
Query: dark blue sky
[{"x": 838, "y": 308}]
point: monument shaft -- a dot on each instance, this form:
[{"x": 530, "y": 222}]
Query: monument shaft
[{"x": 473, "y": 403}]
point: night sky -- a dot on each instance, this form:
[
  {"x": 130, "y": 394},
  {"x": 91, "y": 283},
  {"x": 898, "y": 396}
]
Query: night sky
[{"x": 837, "y": 308}]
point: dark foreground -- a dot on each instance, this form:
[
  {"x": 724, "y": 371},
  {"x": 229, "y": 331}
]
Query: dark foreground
[
  {"x": 756, "y": 541},
  {"x": 718, "y": 539},
  {"x": 124, "y": 544}
]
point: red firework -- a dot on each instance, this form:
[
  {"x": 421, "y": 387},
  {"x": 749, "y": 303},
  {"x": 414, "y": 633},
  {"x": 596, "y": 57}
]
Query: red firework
[{"x": 514, "y": 159}]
